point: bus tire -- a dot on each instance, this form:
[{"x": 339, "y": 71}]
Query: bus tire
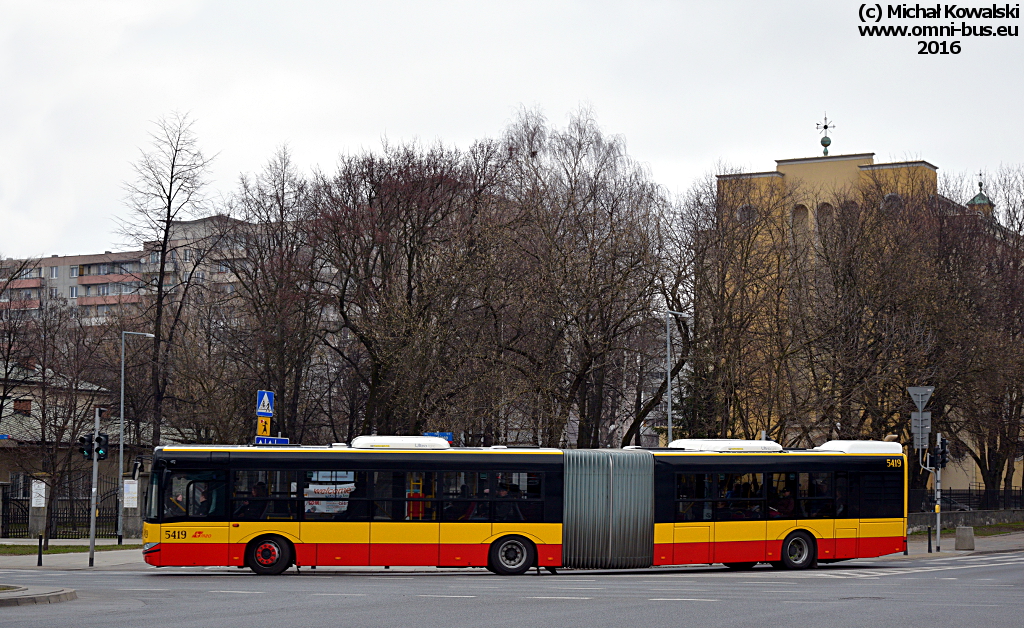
[
  {"x": 512, "y": 555},
  {"x": 740, "y": 566},
  {"x": 269, "y": 555},
  {"x": 798, "y": 550}
]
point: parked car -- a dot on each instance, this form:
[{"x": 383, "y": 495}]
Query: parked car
[{"x": 948, "y": 504}]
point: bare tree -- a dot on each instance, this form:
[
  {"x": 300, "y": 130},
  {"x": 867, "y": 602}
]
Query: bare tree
[{"x": 169, "y": 186}]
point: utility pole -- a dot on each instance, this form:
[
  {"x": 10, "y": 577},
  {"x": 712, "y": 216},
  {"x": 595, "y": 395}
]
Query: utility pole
[
  {"x": 921, "y": 426},
  {"x": 937, "y": 464},
  {"x": 93, "y": 500}
]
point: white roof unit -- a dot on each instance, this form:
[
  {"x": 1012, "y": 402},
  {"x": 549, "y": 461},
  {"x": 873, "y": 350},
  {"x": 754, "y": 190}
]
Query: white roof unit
[
  {"x": 724, "y": 444},
  {"x": 861, "y": 447},
  {"x": 399, "y": 442}
]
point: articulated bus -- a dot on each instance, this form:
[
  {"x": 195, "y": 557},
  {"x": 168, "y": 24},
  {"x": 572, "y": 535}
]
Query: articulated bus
[{"x": 385, "y": 501}]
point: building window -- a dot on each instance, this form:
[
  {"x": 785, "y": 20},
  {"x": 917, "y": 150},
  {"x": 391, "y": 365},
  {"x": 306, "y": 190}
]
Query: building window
[
  {"x": 26, "y": 294},
  {"x": 746, "y": 214},
  {"x": 74, "y": 271},
  {"x": 104, "y": 269},
  {"x": 154, "y": 257},
  {"x": 73, "y": 292},
  {"x": 54, "y": 272},
  {"x": 188, "y": 254},
  {"x": 23, "y": 406},
  {"x": 103, "y": 289},
  {"x": 54, "y": 293}
]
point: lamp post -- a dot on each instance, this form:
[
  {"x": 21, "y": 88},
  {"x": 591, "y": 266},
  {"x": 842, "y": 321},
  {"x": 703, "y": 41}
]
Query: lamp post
[
  {"x": 668, "y": 364},
  {"x": 120, "y": 442}
]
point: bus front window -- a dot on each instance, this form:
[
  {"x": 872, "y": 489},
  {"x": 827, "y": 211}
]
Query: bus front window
[{"x": 153, "y": 497}]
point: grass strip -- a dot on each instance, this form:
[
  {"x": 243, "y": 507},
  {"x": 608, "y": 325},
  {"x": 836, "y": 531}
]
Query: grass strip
[{"x": 23, "y": 550}]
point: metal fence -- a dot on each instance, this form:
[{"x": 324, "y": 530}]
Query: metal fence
[
  {"x": 975, "y": 497},
  {"x": 13, "y": 513},
  {"x": 70, "y": 516}
]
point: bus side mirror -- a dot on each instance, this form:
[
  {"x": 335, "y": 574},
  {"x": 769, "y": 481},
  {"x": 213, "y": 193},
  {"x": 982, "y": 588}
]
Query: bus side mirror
[{"x": 136, "y": 469}]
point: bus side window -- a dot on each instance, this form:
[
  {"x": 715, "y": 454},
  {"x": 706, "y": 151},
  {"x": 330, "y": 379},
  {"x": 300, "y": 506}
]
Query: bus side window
[{"x": 842, "y": 495}]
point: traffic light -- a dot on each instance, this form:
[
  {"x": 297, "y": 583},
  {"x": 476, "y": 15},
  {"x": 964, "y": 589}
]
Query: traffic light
[
  {"x": 85, "y": 446},
  {"x": 102, "y": 440},
  {"x": 943, "y": 453}
]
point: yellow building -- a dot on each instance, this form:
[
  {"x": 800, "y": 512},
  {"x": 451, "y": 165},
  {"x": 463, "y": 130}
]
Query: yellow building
[{"x": 794, "y": 205}]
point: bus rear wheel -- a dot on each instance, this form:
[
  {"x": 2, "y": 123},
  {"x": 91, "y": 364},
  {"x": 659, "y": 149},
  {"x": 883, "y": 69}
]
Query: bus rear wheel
[
  {"x": 512, "y": 555},
  {"x": 269, "y": 555},
  {"x": 798, "y": 550}
]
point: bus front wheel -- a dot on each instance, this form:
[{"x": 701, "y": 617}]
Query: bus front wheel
[
  {"x": 269, "y": 555},
  {"x": 798, "y": 550},
  {"x": 512, "y": 555}
]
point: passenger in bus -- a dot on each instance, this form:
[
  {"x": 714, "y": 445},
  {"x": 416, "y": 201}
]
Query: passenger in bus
[
  {"x": 252, "y": 509},
  {"x": 783, "y": 507},
  {"x": 175, "y": 505},
  {"x": 506, "y": 509}
]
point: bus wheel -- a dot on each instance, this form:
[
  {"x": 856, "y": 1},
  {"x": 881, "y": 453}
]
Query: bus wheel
[
  {"x": 269, "y": 555},
  {"x": 798, "y": 550},
  {"x": 740, "y": 566},
  {"x": 512, "y": 555}
]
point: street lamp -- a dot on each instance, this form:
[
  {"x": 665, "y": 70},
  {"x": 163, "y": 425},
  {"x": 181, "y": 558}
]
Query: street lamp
[
  {"x": 668, "y": 364},
  {"x": 120, "y": 442}
]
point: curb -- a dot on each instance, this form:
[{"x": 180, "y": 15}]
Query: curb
[{"x": 22, "y": 596}]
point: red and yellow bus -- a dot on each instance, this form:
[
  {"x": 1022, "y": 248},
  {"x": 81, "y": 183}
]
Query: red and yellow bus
[{"x": 416, "y": 501}]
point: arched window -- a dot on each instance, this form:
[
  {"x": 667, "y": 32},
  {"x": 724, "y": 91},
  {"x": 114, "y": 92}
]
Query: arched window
[{"x": 826, "y": 217}]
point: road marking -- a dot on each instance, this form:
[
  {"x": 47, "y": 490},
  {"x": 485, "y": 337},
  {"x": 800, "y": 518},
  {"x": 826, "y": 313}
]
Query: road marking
[
  {"x": 952, "y": 604},
  {"x": 235, "y": 591},
  {"x": 142, "y": 589},
  {"x": 445, "y": 596},
  {"x": 579, "y": 588},
  {"x": 348, "y": 594},
  {"x": 681, "y": 599},
  {"x": 556, "y": 597}
]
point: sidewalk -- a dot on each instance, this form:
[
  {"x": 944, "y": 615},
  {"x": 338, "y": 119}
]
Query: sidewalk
[
  {"x": 1012, "y": 542},
  {"x": 112, "y": 559}
]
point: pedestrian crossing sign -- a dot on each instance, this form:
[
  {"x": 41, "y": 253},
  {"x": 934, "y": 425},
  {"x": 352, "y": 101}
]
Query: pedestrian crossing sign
[{"x": 264, "y": 403}]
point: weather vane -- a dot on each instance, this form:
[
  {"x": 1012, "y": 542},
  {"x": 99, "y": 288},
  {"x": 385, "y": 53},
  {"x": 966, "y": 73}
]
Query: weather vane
[
  {"x": 824, "y": 127},
  {"x": 981, "y": 181}
]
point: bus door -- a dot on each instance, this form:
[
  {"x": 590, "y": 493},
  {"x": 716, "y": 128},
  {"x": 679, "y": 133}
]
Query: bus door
[
  {"x": 263, "y": 502},
  {"x": 405, "y": 526},
  {"x": 694, "y": 516},
  {"x": 336, "y": 519},
  {"x": 739, "y": 513},
  {"x": 816, "y": 511},
  {"x": 195, "y": 528},
  {"x": 465, "y": 518}
]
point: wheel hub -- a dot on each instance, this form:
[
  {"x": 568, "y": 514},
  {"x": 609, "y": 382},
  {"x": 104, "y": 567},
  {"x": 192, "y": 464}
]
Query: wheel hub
[
  {"x": 512, "y": 555},
  {"x": 267, "y": 553}
]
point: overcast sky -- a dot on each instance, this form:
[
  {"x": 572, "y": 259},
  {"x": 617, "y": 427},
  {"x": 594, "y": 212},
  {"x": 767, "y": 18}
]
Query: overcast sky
[{"x": 688, "y": 84}]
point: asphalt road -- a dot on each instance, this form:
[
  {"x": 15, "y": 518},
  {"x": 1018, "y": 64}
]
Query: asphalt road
[{"x": 967, "y": 590}]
